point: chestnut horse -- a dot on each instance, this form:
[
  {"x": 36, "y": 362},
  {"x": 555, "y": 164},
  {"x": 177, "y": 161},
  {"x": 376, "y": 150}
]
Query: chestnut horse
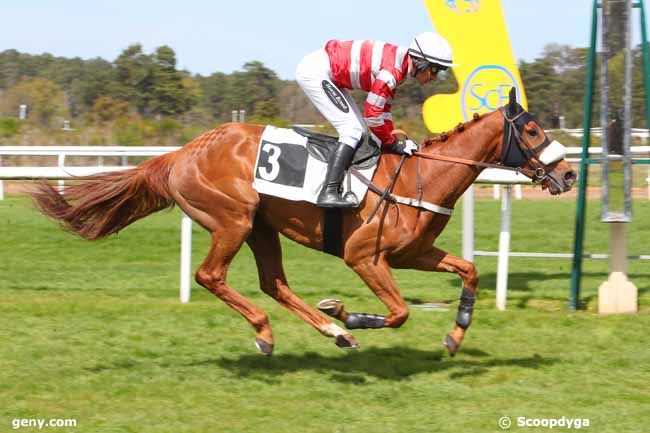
[{"x": 211, "y": 178}]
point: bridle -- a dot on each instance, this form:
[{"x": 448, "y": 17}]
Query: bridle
[
  {"x": 515, "y": 156},
  {"x": 514, "y": 152}
]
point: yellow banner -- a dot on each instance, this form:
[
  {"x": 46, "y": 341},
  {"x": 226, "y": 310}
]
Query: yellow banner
[{"x": 476, "y": 30}]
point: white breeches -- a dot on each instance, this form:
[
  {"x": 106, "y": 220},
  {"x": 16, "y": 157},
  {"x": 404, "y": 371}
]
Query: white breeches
[{"x": 336, "y": 105}]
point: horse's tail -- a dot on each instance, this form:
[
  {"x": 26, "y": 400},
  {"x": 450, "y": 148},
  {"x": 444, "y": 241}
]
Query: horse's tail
[{"x": 104, "y": 204}]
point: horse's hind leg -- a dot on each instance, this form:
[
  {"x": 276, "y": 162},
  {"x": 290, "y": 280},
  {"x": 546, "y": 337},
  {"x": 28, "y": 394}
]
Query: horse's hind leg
[
  {"x": 265, "y": 244},
  {"x": 212, "y": 275}
]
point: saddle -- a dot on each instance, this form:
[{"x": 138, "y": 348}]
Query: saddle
[{"x": 320, "y": 146}]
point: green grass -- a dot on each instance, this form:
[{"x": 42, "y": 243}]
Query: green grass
[{"x": 95, "y": 332}]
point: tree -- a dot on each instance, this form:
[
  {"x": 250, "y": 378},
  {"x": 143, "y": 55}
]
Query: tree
[
  {"x": 168, "y": 94},
  {"x": 266, "y": 109},
  {"x": 96, "y": 79},
  {"x": 106, "y": 109},
  {"x": 254, "y": 84},
  {"x": 295, "y": 105},
  {"x": 539, "y": 79},
  {"x": 134, "y": 77},
  {"x": 216, "y": 91},
  {"x": 44, "y": 99}
]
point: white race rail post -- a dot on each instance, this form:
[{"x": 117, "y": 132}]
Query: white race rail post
[
  {"x": 504, "y": 249},
  {"x": 186, "y": 258},
  {"x": 61, "y": 163},
  {"x": 468, "y": 224},
  {"x": 617, "y": 294},
  {"x": 2, "y": 185}
]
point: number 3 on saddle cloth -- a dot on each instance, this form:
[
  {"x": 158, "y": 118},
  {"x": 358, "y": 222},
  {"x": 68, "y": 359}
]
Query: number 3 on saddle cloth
[{"x": 291, "y": 164}]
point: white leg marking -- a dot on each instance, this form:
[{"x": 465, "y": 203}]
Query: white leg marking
[{"x": 333, "y": 330}]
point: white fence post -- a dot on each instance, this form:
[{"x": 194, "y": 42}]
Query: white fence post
[
  {"x": 186, "y": 258},
  {"x": 61, "y": 164},
  {"x": 2, "y": 184},
  {"x": 468, "y": 224},
  {"x": 504, "y": 249}
]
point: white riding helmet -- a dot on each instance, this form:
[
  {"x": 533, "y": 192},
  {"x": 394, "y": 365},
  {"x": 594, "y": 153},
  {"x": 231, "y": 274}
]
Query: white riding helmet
[{"x": 433, "y": 48}]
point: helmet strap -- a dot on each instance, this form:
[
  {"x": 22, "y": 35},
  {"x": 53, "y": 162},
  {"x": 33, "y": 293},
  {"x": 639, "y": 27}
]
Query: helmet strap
[{"x": 420, "y": 48}]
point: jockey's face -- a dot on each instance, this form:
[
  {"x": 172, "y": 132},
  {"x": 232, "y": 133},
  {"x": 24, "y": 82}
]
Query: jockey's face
[{"x": 425, "y": 76}]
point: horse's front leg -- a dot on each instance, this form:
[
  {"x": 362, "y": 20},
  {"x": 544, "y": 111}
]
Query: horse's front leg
[
  {"x": 440, "y": 261},
  {"x": 378, "y": 277}
]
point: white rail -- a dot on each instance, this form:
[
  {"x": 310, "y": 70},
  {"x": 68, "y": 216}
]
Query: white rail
[
  {"x": 489, "y": 176},
  {"x": 62, "y": 172},
  {"x": 598, "y": 131}
]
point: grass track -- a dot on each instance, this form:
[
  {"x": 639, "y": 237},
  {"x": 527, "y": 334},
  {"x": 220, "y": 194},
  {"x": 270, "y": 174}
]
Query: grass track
[{"x": 94, "y": 331}]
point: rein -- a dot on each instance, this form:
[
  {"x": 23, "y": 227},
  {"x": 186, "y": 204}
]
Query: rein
[
  {"x": 537, "y": 174},
  {"x": 533, "y": 174}
]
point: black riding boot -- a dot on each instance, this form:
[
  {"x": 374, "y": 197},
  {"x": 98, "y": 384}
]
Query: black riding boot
[{"x": 337, "y": 163}]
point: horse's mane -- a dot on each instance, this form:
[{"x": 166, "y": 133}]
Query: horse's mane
[{"x": 445, "y": 136}]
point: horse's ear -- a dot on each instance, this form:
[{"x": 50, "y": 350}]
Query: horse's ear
[{"x": 512, "y": 104}]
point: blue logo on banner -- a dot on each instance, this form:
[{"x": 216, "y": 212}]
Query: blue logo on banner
[
  {"x": 486, "y": 89},
  {"x": 470, "y": 5}
]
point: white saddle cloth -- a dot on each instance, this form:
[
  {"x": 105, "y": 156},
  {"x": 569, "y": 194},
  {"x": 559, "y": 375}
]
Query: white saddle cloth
[{"x": 285, "y": 168}]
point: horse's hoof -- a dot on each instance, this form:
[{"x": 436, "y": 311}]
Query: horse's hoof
[
  {"x": 264, "y": 347},
  {"x": 331, "y": 307},
  {"x": 346, "y": 341},
  {"x": 451, "y": 345}
]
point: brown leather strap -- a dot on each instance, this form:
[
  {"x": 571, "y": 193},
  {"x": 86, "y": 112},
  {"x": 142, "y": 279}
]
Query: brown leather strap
[
  {"x": 526, "y": 172},
  {"x": 388, "y": 189}
]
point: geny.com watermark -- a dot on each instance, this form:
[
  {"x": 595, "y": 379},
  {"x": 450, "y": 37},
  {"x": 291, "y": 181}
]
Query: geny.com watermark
[
  {"x": 43, "y": 423},
  {"x": 568, "y": 423}
]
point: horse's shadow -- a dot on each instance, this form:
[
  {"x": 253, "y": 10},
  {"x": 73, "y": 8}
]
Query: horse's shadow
[{"x": 395, "y": 363}]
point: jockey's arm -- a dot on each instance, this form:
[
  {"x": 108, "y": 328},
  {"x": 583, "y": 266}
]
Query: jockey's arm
[{"x": 377, "y": 107}]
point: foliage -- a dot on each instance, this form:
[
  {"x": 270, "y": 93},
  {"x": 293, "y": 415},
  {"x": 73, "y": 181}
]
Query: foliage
[
  {"x": 128, "y": 132},
  {"x": 44, "y": 99},
  {"x": 555, "y": 85},
  {"x": 268, "y": 108},
  {"x": 106, "y": 109},
  {"x": 275, "y": 121},
  {"x": 268, "y": 113},
  {"x": 9, "y": 126},
  {"x": 242, "y": 90},
  {"x": 168, "y": 126},
  {"x": 99, "y": 92},
  {"x": 134, "y": 78},
  {"x": 97, "y": 334},
  {"x": 168, "y": 95}
]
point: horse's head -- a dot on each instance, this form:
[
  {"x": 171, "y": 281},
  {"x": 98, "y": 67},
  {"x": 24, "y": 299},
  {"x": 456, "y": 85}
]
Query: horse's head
[{"x": 526, "y": 145}]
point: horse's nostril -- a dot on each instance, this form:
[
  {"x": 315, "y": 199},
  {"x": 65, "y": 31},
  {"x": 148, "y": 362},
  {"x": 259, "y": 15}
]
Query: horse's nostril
[{"x": 570, "y": 176}]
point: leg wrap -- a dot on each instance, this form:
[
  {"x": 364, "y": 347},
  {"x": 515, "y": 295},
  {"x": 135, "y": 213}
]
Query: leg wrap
[
  {"x": 363, "y": 320},
  {"x": 465, "y": 309}
]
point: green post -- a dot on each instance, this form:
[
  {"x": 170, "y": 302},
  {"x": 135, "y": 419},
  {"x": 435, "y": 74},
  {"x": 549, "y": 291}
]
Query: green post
[
  {"x": 646, "y": 65},
  {"x": 576, "y": 272}
]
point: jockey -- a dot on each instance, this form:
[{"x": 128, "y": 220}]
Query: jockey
[{"x": 378, "y": 68}]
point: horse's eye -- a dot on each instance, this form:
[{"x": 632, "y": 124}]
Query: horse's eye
[{"x": 532, "y": 132}]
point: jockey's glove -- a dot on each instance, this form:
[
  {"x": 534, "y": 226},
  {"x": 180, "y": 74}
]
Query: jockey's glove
[{"x": 403, "y": 147}]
